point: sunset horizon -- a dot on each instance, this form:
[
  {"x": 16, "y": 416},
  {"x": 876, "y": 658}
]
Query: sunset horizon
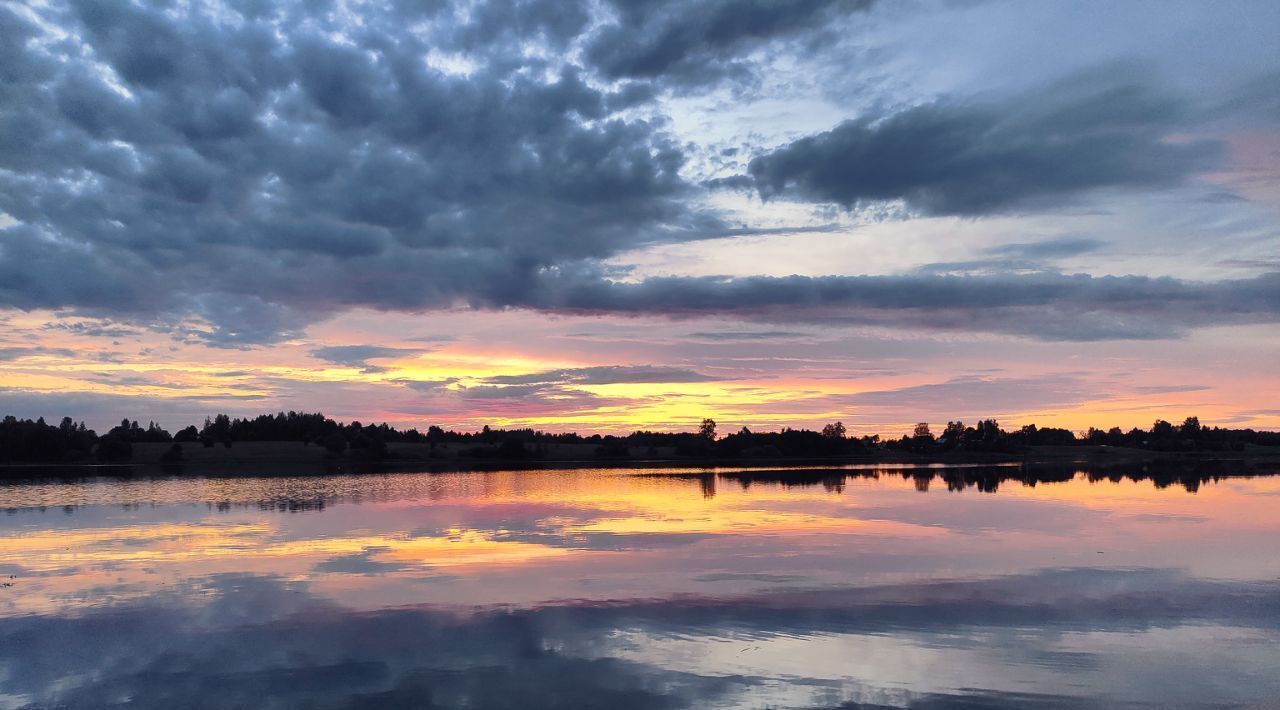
[{"x": 639, "y": 354}]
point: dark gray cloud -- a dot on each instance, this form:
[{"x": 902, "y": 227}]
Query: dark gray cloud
[
  {"x": 429, "y": 386},
  {"x": 94, "y": 328},
  {"x": 1266, "y": 264},
  {"x": 232, "y": 172},
  {"x": 605, "y": 375},
  {"x": 554, "y": 22},
  {"x": 972, "y": 158},
  {"x": 1048, "y": 249},
  {"x": 747, "y": 335},
  {"x": 694, "y": 42},
  {"x": 261, "y": 169},
  {"x": 10, "y": 354},
  {"x": 1049, "y": 305},
  {"x": 1016, "y": 258},
  {"x": 360, "y": 355},
  {"x": 526, "y": 392},
  {"x": 1257, "y": 98}
]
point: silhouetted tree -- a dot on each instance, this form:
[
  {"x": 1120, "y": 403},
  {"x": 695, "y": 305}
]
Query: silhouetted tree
[
  {"x": 707, "y": 429},
  {"x": 26, "y": 440},
  {"x": 1191, "y": 427},
  {"x": 953, "y": 434}
]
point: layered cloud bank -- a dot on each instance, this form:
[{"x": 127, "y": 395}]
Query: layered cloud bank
[{"x": 1050, "y": 306}]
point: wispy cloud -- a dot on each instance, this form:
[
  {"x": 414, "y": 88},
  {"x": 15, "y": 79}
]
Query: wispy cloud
[{"x": 360, "y": 355}]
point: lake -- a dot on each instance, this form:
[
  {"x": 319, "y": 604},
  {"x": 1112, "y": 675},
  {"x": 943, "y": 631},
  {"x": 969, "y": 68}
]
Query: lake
[{"x": 877, "y": 586}]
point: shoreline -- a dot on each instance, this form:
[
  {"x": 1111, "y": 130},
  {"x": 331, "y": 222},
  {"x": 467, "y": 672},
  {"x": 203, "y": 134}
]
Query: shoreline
[{"x": 283, "y": 459}]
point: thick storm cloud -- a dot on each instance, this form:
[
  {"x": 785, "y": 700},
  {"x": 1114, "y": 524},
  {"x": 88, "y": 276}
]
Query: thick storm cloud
[
  {"x": 191, "y": 162},
  {"x": 232, "y": 172},
  {"x": 961, "y": 158}
]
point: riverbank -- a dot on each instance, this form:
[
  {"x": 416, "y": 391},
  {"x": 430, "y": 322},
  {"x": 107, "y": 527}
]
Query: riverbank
[{"x": 296, "y": 458}]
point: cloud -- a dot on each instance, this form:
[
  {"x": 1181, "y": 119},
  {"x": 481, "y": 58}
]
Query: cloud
[
  {"x": 8, "y": 354},
  {"x": 515, "y": 391},
  {"x": 748, "y": 335},
  {"x": 1171, "y": 389},
  {"x": 970, "y": 158},
  {"x": 1047, "y": 306},
  {"x": 93, "y": 328},
  {"x": 359, "y": 355},
  {"x": 256, "y": 171},
  {"x": 605, "y": 375},
  {"x": 1016, "y": 258},
  {"x": 557, "y": 391},
  {"x": 1265, "y": 264},
  {"x": 448, "y": 396},
  {"x": 230, "y": 172},
  {"x": 693, "y": 42},
  {"x": 429, "y": 386},
  {"x": 962, "y": 396},
  {"x": 1048, "y": 249}
]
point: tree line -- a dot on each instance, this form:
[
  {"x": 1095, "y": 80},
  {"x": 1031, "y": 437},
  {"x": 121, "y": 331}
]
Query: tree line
[
  {"x": 25, "y": 440},
  {"x": 1191, "y": 435}
]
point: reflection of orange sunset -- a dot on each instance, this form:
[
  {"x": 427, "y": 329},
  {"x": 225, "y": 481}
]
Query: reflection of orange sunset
[{"x": 460, "y": 526}]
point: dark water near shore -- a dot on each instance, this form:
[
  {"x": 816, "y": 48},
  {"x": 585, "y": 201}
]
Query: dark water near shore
[{"x": 644, "y": 588}]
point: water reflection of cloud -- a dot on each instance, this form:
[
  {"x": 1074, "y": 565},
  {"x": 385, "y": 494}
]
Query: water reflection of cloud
[
  {"x": 606, "y": 540},
  {"x": 237, "y": 640},
  {"x": 359, "y": 563}
]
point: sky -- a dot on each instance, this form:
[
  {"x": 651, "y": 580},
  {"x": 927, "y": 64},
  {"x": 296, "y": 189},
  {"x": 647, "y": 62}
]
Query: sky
[{"x": 613, "y": 215}]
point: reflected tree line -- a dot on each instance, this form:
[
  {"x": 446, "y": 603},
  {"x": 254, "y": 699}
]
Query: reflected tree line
[
  {"x": 1188, "y": 474},
  {"x": 25, "y": 440}
]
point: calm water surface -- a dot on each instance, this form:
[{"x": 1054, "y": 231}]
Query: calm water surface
[{"x": 643, "y": 588}]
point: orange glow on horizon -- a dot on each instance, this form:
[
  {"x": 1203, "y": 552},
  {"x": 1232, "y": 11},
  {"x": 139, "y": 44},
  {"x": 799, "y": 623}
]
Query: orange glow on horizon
[{"x": 461, "y": 392}]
